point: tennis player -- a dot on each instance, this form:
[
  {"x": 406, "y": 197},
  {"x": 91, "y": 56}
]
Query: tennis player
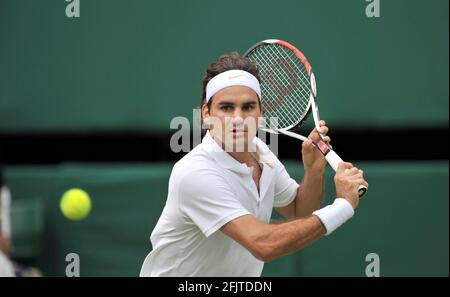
[{"x": 216, "y": 221}]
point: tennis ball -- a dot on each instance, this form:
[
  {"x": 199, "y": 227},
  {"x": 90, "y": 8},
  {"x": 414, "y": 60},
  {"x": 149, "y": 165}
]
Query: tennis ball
[{"x": 75, "y": 204}]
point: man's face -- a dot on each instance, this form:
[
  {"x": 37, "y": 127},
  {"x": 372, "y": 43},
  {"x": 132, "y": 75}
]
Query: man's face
[{"x": 233, "y": 117}]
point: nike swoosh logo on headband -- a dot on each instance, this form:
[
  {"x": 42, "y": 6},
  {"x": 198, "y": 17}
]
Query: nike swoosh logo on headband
[{"x": 233, "y": 76}]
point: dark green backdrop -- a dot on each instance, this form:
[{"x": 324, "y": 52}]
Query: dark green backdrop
[
  {"x": 131, "y": 66},
  {"x": 403, "y": 218},
  {"x": 134, "y": 65}
]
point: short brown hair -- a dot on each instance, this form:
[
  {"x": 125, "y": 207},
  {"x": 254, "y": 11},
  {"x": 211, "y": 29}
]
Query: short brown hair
[{"x": 227, "y": 62}]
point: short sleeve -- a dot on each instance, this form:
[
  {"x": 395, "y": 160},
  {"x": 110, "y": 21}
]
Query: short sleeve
[
  {"x": 207, "y": 199},
  {"x": 285, "y": 187}
]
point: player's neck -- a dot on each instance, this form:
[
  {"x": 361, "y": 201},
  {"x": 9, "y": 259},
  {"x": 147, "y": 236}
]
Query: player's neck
[
  {"x": 248, "y": 154},
  {"x": 243, "y": 157}
]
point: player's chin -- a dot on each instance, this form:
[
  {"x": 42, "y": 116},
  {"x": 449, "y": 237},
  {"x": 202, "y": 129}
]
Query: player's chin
[{"x": 238, "y": 140}]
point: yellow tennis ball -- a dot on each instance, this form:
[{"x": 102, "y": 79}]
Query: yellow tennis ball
[{"x": 75, "y": 204}]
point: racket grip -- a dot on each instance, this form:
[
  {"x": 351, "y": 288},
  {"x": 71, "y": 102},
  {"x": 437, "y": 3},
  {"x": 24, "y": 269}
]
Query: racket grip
[
  {"x": 334, "y": 160},
  {"x": 362, "y": 190}
]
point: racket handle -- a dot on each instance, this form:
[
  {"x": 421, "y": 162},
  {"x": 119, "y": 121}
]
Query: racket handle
[
  {"x": 362, "y": 190},
  {"x": 334, "y": 160}
]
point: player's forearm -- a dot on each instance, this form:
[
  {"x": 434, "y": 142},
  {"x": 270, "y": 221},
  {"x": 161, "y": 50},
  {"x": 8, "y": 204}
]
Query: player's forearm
[
  {"x": 310, "y": 194},
  {"x": 286, "y": 238}
]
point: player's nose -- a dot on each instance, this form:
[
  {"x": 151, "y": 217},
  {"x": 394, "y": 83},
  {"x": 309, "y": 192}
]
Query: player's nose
[{"x": 238, "y": 116}]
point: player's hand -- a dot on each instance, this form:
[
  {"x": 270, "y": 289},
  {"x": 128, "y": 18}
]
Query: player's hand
[
  {"x": 5, "y": 244},
  {"x": 347, "y": 181},
  {"x": 313, "y": 159}
]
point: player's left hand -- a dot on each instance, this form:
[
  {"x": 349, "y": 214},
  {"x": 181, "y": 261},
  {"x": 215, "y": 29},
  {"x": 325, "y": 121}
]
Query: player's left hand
[{"x": 313, "y": 160}]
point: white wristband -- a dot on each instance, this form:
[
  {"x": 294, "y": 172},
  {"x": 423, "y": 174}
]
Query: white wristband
[{"x": 334, "y": 215}]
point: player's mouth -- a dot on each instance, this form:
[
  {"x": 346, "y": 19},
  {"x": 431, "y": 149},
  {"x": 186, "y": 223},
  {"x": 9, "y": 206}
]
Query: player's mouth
[{"x": 238, "y": 132}]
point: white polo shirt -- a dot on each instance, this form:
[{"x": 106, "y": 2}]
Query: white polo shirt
[{"x": 207, "y": 189}]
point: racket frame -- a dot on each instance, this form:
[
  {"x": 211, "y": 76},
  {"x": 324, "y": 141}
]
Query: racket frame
[{"x": 330, "y": 155}]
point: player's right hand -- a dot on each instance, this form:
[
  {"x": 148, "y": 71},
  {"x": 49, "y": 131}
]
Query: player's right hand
[{"x": 347, "y": 181}]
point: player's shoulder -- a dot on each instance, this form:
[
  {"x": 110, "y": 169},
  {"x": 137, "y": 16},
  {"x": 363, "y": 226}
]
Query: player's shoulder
[
  {"x": 191, "y": 174},
  {"x": 196, "y": 162}
]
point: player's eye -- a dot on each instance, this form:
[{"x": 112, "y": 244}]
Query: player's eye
[
  {"x": 226, "y": 108},
  {"x": 249, "y": 107}
]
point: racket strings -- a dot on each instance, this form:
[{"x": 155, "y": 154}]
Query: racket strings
[
  {"x": 278, "y": 51},
  {"x": 301, "y": 70},
  {"x": 274, "y": 105},
  {"x": 285, "y": 84},
  {"x": 278, "y": 106},
  {"x": 285, "y": 89},
  {"x": 280, "y": 78}
]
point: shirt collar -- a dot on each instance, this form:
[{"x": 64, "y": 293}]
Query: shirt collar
[
  {"x": 264, "y": 154},
  {"x": 227, "y": 161}
]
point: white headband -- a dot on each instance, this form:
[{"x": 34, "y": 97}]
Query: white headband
[{"x": 232, "y": 78}]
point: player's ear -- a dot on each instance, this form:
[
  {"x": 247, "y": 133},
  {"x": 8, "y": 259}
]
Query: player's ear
[
  {"x": 205, "y": 114},
  {"x": 205, "y": 110}
]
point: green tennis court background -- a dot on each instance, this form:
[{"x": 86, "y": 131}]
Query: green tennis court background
[
  {"x": 131, "y": 66},
  {"x": 134, "y": 65},
  {"x": 403, "y": 218}
]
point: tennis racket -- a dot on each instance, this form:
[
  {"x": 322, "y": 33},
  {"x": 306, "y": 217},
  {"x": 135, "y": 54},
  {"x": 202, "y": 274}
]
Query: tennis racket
[{"x": 288, "y": 92}]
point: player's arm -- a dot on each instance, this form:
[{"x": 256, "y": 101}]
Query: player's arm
[
  {"x": 310, "y": 193},
  {"x": 270, "y": 241},
  {"x": 309, "y": 198}
]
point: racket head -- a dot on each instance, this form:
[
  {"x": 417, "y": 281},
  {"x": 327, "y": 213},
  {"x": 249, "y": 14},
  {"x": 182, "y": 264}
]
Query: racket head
[{"x": 287, "y": 82}]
